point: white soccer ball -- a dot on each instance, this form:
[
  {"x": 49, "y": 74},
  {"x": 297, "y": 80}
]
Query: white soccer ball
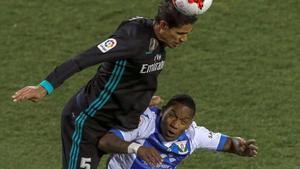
[{"x": 192, "y": 7}]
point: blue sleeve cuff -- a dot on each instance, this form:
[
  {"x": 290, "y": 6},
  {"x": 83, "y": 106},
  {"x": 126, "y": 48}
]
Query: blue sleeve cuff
[
  {"x": 117, "y": 133},
  {"x": 222, "y": 142},
  {"x": 47, "y": 85}
]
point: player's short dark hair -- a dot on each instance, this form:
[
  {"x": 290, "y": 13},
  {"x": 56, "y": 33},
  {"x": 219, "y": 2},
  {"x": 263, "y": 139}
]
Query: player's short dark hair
[
  {"x": 168, "y": 13},
  {"x": 182, "y": 99}
]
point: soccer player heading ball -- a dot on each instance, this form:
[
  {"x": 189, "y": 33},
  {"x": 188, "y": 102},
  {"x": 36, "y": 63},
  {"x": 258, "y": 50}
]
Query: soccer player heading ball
[{"x": 131, "y": 60}]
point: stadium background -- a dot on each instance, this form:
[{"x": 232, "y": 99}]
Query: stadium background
[{"x": 241, "y": 65}]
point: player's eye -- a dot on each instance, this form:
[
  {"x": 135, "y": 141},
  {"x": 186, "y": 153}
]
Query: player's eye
[
  {"x": 181, "y": 33},
  {"x": 172, "y": 114},
  {"x": 184, "y": 122}
]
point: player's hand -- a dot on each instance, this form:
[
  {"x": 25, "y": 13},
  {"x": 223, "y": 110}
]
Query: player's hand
[
  {"x": 155, "y": 100},
  {"x": 32, "y": 93},
  {"x": 244, "y": 147},
  {"x": 150, "y": 155}
]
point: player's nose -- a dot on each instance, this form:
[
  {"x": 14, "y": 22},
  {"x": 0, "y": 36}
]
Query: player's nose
[
  {"x": 175, "y": 124},
  {"x": 183, "y": 38}
]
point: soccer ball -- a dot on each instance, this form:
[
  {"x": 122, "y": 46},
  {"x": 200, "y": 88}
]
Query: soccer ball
[{"x": 192, "y": 7}]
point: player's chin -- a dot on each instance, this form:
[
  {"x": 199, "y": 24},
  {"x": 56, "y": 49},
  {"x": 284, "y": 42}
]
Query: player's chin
[
  {"x": 172, "y": 45},
  {"x": 170, "y": 136}
]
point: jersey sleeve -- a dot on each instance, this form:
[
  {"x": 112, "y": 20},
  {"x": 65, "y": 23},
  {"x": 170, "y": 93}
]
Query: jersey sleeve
[
  {"x": 145, "y": 128},
  {"x": 121, "y": 45},
  {"x": 206, "y": 139}
]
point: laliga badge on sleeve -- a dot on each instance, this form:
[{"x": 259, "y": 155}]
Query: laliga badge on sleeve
[{"x": 107, "y": 45}]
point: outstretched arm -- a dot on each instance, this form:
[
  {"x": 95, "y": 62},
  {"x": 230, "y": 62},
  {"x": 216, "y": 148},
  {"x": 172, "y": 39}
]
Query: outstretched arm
[
  {"x": 122, "y": 48},
  {"x": 64, "y": 71},
  {"x": 203, "y": 138},
  {"x": 241, "y": 146},
  {"x": 110, "y": 143}
]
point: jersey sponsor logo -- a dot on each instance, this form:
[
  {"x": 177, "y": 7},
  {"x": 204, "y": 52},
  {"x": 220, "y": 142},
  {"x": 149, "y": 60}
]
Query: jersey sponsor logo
[
  {"x": 158, "y": 65},
  {"x": 148, "y": 68},
  {"x": 107, "y": 45}
]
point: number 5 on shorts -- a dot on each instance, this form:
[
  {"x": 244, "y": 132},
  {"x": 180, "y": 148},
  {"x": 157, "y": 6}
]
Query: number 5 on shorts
[{"x": 85, "y": 163}]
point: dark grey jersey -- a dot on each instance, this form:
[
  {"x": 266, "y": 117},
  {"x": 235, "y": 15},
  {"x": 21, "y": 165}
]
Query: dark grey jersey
[{"x": 131, "y": 60}]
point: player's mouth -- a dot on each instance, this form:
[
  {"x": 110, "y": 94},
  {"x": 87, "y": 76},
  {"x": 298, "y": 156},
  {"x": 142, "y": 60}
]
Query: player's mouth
[
  {"x": 171, "y": 133},
  {"x": 173, "y": 45},
  {"x": 177, "y": 44}
]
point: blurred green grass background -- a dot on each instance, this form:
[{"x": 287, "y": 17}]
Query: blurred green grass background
[{"x": 241, "y": 64}]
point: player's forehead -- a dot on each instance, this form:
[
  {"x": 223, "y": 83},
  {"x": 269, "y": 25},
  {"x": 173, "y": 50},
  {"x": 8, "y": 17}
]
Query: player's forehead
[
  {"x": 184, "y": 29},
  {"x": 180, "y": 110}
]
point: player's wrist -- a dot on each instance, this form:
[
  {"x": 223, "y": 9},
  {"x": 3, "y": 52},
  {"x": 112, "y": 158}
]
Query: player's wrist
[
  {"x": 47, "y": 86},
  {"x": 41, "y": 90},
  {"x": 133, "y": 148},
  {"x": 236, "y": 141}
]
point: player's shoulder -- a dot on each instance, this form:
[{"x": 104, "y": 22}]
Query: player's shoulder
[
  {"x": 149, "y": 116},
  {"x": 147, "y": 121},
  {"x": 151, "y": 113},
  {"x": 136, "y": 27},
  {"x": 194, "y": 130}
]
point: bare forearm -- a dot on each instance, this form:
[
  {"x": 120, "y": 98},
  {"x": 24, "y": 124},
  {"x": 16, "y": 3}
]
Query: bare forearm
[
  {"x": 228, "y": 147},
  {"x": 110, "y": 143}
]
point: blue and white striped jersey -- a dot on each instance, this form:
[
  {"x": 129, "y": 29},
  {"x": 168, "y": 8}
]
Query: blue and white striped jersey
[{"x": 148, "y": 134}]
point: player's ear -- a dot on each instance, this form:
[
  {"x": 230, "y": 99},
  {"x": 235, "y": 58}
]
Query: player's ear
[{"x": 163, "y": 25}]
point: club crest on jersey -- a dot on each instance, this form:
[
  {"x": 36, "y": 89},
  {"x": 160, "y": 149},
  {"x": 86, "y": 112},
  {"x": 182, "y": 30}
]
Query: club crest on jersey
[
  {"x": 182, "y": 147},
  {"x": 107, "y": 45},
  {"x": 152, "y": 45}
]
